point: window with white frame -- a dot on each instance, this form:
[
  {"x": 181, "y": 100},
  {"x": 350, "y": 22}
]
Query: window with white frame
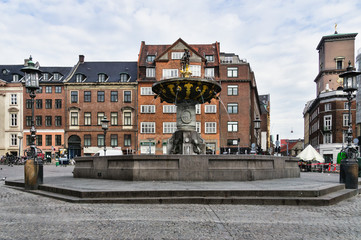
[
  {"x": 14, "y": 119},
  {"x": 13, "y": 99},
  {"x": 150, "y": 72},
  {"x": 170, "y": 73},
  {"x": 147, "y": 108},
  {"x": 150, "y": 58},
  {"x": 74, "y": 121},
  {"x": 232, "y": 72},
  {"x": 16, "y": 78},
  {"x": 169, "y": 127},
  {"x": 198, "y": 109},
  {"x": 327, "y": 138},
  {"x": 327, "y": 122},
  {"x": 146, "y": 91},
  {"x": 232, "y": 107},
  {"x": 127, "y": 118},
  {"x": 169, "y": 108},
  {"x": 198, "y": 127},
  {"x": 346, "y": 105},
  {"x": 114, "y": 140},
  {"x": 87, "y": 118},
  {"x": 101, "y": 77},
  {"x": 114, "y": 118},
  {"x": 209, "y": 72},
  {"x": 177, "y": 55},
  {"x": 345, "y": 120},
  {"x": 14, "y": 140},
  {"x": 232, "y": 126},
  {"x": 195, "y": 70},
  {"x": 100, "y": 116},
  {"x": 210, "y": 108},
  {"x": 210, "y": 58},
  {"x": 327, "y": 107},
  {"x": 232, "y": 90},
  {"x": 210, "y": 127},
  {"x": 147, "y": 127},
  {"x": 56, "y": 76},
  {"x": 100, "y": 139}
]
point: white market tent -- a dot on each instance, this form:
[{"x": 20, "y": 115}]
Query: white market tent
[{"x": 310, "y": 154}]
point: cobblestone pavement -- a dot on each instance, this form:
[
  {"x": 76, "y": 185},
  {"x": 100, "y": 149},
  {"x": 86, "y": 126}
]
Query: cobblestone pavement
[{"x": 27, "y": 216}]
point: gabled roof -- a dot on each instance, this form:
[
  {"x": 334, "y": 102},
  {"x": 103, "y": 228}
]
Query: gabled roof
[{"x": 91, "y": 70}]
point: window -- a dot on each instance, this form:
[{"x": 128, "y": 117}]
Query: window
[
  {"x": 198, "y": 109},
  {"x": 198, "y": 127},
  {"x": 101, "y": 77},
  {"x": 14, "y": 140},
  {"x": 114, "y": 140},
  {"x": 169, "y": 127},
  {"x": 232, "y": 142},
  {"x": 232, "y": 72},
  {"x": 124, "y": 77},
  {"x": 14, "y": 119},
  {"x": 327, "y": 138},
  {"x": 16, "y": 78},
  {"x": 46, "y": 76},
  {"x": 150, "y": 72},
  {"x": 100, "y": 140},
  {"x": 38, "y": 120},
  {"x": 28, "y": 104},
  {"x": 169, "y": 108},
  {"x": 170, "y": 73},
  {"x": 195, "y": 70},
  {"x": 127, "y": 140},
  {"x": 39, "y": 140},
  {"x": 147, "y": 127},
  {"x": 177, "y": 55},
  {"x": 147, "y": 108},
  {"x": 127, "y": 96},
  {"x": 345, "y": 120},
  {"x": 150, "y": 58},
  {"x": 232, "y": 90},
  {"x": 346, "y": 105},
  {"x": 210, "y": 108},
  {"x": 48, "y": 140},
  {"x": 101, "y": 96},
  {"x": 114, "y": 118},
  {"x": 327, "y": 122},
  {"x": 79, "y": 78},
  {"x": 48, "y": 89},
  {"x": 58, "y": 121},
  {"x": 39, "y": 103},
  {"x": 40, "y": 90},
  {"x": 57, "y": 140},
  {"x": 209, "y": 58},
  {"x": 127, "y": 118},
  {"x": 232, "y": 107},
  {"x": 327, "y": 107},
  {"x": 57, "y": 103},
  {"x": 56, "y": 76},
  {"x": 48, "y": 121},
  {"x": 211, "y": 127},
  {"x": 100, "y": 116},
  {"x": 232, "y": 126},
  {"x": 339, "y": 64},
  {"x": 28, "y": 121},
  {"x": 57, "y": 89},
  {"x": 87, "y": 140},
  {"x": 87, "y": 118},
  {"x": 74, "y": 96},
  {"x": 146, "y": 91},
  {"x": 13, "y": 99},
  {"x": 209, "y": 72},
  {"x": 114, "y": 96},
  {"x": 87, "y": 96},
  {"x": 74, "y": 119},
  {"x": 28, "y": 140},
  {"x": 48, "y": 103}
]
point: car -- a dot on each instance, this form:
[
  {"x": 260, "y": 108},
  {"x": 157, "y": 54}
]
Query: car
[{"x": 110, "y": 152}]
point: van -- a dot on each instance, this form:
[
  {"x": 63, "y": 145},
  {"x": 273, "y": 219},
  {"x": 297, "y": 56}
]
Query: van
[{"x": 109, "y": 152}]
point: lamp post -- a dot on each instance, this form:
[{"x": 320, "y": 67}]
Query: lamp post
[
  {"x": 349, "y": 165},
  {"x": 105, "y": 127},
  {"x": 20, "y": 138},
  {"x": 33, "y": 166},
  {"x": 257, "y": 126}
]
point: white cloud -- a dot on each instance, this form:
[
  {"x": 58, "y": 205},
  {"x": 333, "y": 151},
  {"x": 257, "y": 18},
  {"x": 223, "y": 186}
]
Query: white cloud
[{"x": 278, "y": 38}]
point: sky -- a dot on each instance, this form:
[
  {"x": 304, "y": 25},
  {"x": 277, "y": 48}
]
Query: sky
[{"x": 278, "y": 38}]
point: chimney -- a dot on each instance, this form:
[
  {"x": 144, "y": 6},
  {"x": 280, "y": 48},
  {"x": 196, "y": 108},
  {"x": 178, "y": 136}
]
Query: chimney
[
  {"x": 81, "y": 58},
  {"x": 26, "y": 62}
]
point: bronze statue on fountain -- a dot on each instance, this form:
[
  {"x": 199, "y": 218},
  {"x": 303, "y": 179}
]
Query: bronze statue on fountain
[{"x": 185, "y": 92}]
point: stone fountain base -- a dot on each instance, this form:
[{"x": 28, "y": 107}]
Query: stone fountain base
[{"x": 187, "y": 167}]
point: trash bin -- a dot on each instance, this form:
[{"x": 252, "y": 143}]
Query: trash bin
[{"x": 57, "y": 162}]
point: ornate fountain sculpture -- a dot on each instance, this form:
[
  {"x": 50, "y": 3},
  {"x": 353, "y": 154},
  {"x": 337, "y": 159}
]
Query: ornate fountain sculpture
[{"x": 185, "y": 92}]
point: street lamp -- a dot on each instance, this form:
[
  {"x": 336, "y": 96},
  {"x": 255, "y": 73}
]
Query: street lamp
[
  {"x": 20, "y": 138},
  {"x": 349, "y": 165},
  {"x": 257, "y": 126},
  {"x": 33, "y": 166},
  {"x": 105, "y": 127}
]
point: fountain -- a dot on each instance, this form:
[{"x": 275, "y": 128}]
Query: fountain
[
  {"x": 185, "y": 93},
  {"x": 186, "y": 159}
]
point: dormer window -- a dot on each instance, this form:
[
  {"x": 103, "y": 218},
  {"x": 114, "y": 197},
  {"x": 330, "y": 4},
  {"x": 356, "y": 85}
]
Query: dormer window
[
  {"x": 209, "y": 58},
  {"x": 102, "y": 77},
  {"x": 124, "y": 77},
  {"x": 79, "y": 78},
  {"x": 150, "y": 58},
  {"x": 16, "y": 77},
  {"x": 56, "y": 76},
  {"x": 46, "y": 76},
  {"x": 5, "y": 71}
]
